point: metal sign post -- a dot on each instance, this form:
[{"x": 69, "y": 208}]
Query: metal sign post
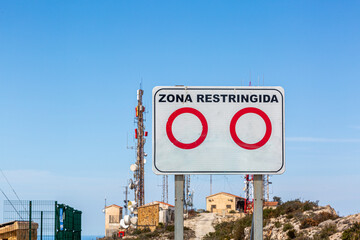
[
  {"x": 179, "y": 207},
  {"x": 258, "y": 207}
]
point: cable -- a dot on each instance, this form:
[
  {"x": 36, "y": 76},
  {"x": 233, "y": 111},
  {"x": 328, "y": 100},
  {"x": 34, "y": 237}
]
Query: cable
[
  {"x": 11, "y": 204},
  {"x": 12, "y": 189}
]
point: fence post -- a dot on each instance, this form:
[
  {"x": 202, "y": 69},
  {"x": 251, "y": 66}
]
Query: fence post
[
  {"x": 41, "y": 225},
  {"x": 29, "y": 220},
  {"x": 56, "y": 221}
]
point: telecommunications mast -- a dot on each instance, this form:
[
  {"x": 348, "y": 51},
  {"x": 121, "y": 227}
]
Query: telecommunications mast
[{"x": 140, "y": 135}]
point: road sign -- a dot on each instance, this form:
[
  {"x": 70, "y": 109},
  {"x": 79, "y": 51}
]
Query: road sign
[{"x": 218, "y": 130}]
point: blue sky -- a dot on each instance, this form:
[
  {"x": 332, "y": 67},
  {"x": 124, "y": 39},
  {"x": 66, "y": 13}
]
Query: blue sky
[{"x": 69, "y": 71}]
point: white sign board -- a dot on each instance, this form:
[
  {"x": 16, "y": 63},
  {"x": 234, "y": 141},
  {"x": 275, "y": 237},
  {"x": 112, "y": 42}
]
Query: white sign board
[{"x": 218, "y": 130}]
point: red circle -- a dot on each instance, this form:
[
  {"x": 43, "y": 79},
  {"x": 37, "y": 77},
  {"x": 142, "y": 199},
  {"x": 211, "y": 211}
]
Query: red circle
[
  {"x": 235, "y": 137},
  {"x": 171, "y": 135}
]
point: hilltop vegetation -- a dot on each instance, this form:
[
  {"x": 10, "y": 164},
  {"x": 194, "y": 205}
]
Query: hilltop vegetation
[{"x": 296, "y": 219}]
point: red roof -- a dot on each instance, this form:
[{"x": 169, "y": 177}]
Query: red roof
[
  {"x": 269, "y": 204},
  {"x": 165, "y": 203},
  {"x": 226, "y": 194},
  {"x": 158, "y": 202},
  {"x": 113, "y": 205}
]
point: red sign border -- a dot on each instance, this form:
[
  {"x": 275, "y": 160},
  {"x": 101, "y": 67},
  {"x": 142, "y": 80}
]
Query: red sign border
[
  {"x": 234, "y": 135},
  {"x": 171, "y": 121}
]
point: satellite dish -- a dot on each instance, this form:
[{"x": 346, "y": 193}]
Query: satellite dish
[
  {"x": 122, "y": 224},
  {"x": 144, "y": 160},
  {"x": 131, "y": 209},
  {"x": 127, "y": 219},
  {"x": 145, "y": 154},
  {"x": 133, "y": 220},
  {"x": 134, "y": 167}
]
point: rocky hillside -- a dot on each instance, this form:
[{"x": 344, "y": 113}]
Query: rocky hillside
[
  {"x": 300, "y": 220},
  {"x": 319, "y": 223}
]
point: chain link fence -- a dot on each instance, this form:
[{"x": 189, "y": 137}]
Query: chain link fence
[{"x": 49, "y": 221}]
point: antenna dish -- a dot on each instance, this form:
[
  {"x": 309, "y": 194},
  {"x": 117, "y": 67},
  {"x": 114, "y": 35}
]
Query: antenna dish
[
  {"x": 127, "y": 219},
  {"x": 134, "y": 167},
  {"x": 122, "y": 224},
  {"x": 131, "y": 209}
]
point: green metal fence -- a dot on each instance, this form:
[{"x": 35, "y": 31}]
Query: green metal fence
[
  {"x": 69, "y": 225},
  {"x": 49, "y": 220}
]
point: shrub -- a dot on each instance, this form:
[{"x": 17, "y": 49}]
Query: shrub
[
  {"x": 270, "y": 213},
  {"x": 150, "y": 235},
  {"x": 308, "y": 222},
  {"x": 323, "y": 216},
  {"x": 232, "y": 211},
  {"x": 325, "y": 232},
  {"x": 352, "y": 233},
  {"x": 293, "y": 208},
  {"x": 315, "y": 220},
  {"x": 222, "y": 231},
  {"x": 240, "y": 226},
  {"x": 192, "y": 213},
  {"x": 291, "y": 234},
  {"x": 139, "y": 231},
  {"x": 277, "y": 224},
  {"x": 308, "y": 205},
  {"x": 287, "y": 226},
  {"x": 170, "y": 228}
]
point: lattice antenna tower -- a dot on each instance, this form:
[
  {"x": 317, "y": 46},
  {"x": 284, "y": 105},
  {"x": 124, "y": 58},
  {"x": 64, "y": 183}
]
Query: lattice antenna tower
[
  {"x": 248, "y": 189},
  {"x": 188, "y": 200},
  {"x": 165, "y": 190},
  {"x": 140, "y": 142},
  {"x": 267, "y": 183}
]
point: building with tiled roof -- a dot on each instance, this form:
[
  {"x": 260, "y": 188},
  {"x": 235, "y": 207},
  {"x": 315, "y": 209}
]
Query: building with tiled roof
[
  {"x": 223, "y": 202},
  {"x": 113, "y": 215}
]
